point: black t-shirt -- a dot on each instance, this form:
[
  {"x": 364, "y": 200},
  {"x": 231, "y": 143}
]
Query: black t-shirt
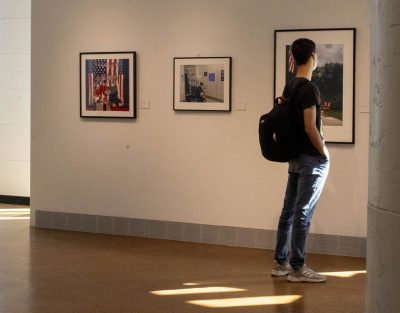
[{"x": 308, "y": 96}]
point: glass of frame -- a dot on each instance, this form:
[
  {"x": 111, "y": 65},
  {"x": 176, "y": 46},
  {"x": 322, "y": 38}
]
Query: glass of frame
[
  {"x": 202, "y": 84},
  {"x": 334, "y": 76},
  {"x": 108, "y": 84}
]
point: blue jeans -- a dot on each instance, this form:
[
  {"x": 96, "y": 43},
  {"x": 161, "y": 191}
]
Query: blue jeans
[{"x": 307, "y": 175}]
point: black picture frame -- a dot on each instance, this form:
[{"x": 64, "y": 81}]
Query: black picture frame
[
  {"x": 108, "y": 84},
  {"x": 193, "y": 90},
  {"x": 335, "y": 76}
]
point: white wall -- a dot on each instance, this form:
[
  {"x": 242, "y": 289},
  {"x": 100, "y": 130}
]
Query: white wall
[
  {"x": 189, "y": 167},
  {"x": 15, "y": 97},
  {"x": 214, "y": 89}
]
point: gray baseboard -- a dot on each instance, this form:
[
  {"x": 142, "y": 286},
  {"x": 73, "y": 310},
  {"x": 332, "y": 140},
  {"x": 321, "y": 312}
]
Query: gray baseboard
[{"x": 211, "y": 234}]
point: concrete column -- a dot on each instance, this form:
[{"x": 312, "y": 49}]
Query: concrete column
[
  {"x": 15, "y": 40},
  {"x": 383, "y": 248}
]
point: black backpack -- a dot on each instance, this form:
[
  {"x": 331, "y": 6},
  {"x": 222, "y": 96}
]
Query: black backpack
[{"x": 280, "y": 130}]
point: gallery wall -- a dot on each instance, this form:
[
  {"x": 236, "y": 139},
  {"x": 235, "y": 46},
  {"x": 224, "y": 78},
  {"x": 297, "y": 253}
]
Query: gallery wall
[
  {"x": 15, "y": 20},
  {"x": 203, "y": 168}
]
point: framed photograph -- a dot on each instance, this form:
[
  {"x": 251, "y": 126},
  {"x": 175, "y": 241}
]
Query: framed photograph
[
  {"x": 202, "y": 84},
  {"x": 335, "y": 76},
  {"x": 108, "y": 84}
]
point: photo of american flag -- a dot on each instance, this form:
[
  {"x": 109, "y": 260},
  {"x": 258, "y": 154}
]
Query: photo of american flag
[
  {"x": 107, "y": 85},
  {"x": 291, "y": 66},
  {"x": 292, "y": 62}
]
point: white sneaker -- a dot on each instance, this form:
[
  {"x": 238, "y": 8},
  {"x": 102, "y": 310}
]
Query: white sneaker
[
  {"x": 306, "y": 274},
  {"x": 281, "y": 269}
]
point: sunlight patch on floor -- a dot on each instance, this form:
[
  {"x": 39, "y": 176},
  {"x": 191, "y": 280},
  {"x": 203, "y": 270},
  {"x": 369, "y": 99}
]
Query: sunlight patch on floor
[
  {"x": 14, "y": 214},
  {"x": 11, "y": 211},
  {"x": 344, "y": 274},
  {"x": 191, "y": 291},
  {"x": 250, "y": 301},
  {"x": 191, "y": 284}
]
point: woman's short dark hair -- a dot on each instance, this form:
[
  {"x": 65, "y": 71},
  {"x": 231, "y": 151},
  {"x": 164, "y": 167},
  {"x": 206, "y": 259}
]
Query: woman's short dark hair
[{"x": 302, "y": 49}]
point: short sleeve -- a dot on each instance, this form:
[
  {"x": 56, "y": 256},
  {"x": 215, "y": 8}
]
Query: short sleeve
[
  {"x": 310, "y": 96},
  {"x": 284, "y": 93}
]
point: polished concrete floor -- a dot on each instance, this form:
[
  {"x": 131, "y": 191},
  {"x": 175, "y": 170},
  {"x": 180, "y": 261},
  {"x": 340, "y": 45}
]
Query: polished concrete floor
[{"x": 45, "y": 271}]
